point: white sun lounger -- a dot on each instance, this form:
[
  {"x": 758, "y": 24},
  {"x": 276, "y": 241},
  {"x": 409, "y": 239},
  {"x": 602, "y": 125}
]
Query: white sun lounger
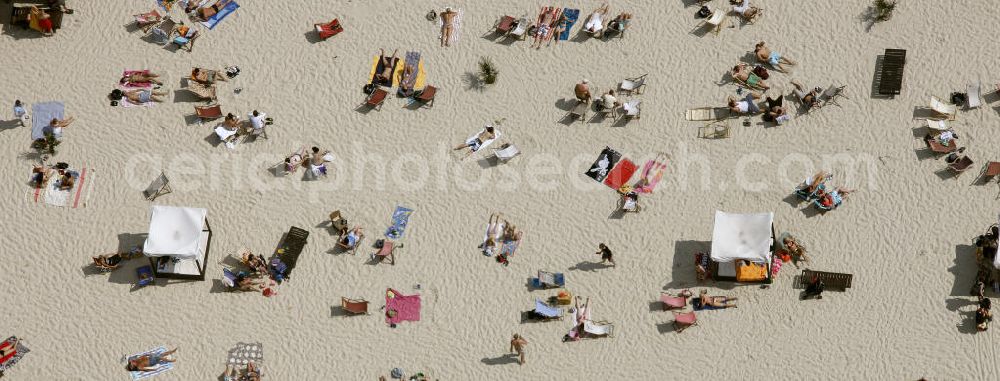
[
  {"x": 974, "y": 91},
  {"x": 601, "y": 328},
  {"x": 630, "y": 85},
  {"x": 944, "y": 110},
  {"x": 506, "y": 152}
]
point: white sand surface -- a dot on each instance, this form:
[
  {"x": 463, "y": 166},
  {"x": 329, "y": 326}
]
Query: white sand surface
[{"x": 904, "y": 234}]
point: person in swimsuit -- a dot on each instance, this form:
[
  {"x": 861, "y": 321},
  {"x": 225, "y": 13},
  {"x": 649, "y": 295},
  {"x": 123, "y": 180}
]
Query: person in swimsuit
[
  {"x": 352, "y": 237},
  {"x": 809, "y": 99},
  {"x": 384, "y": 77},
  {"x": 743, "y": 8},
  {"x": 620, "y": 23},
  {"x": 44, "y": 21},
  {"x": 56, "y": 126},
  {"x": 765, "y": 54},
  {"x": 545, "y": 23},
  {"x": 447, "y": 25},
  {"x": 595, "y": 22},
  {"x": 775, "y": 112},
  {"x": 141, "y": 78},
  {"x": 292, "y": 161},
  {"x": 140, "y": 96},
  {"x": 475, "y": 143},
  {"x": 714, "y": 301},
  {"x": 207, "y": 76},
  {"x": 146, "y": 363},
  {"x": 747, "y": 105},
  {"x": 605, "y": 254},
  {"x": 207, "y": 12},
  {"x": 517, "y": 344},
  {"x": 582, "y": 91},
  {"x": 407, "y": 81},
  {"x": 794, "y": 248},
  {"x": 317, "y": 162},
  {"x": 744, "y": 72},
  {"x": 561, "y": 24}
]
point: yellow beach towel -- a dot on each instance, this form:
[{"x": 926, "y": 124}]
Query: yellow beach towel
[{"x": 396, "y": 72}]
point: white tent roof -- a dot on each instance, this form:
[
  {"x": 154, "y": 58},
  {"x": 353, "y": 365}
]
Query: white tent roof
[
  {"x": 742, "y": 236},
  {"x": 996, "y": 260},
  {"x": 175, "y": 232}
]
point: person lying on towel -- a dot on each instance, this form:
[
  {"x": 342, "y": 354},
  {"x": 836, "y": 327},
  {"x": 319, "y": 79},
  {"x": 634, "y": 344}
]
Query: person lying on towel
[
  {"x": 205, "y": 12},
  {"x": 705, "y": 301},
  {"x": 206, "y": 76},
  {"x": 475, "y": 143},
  {"x": 384, "y": 77}
]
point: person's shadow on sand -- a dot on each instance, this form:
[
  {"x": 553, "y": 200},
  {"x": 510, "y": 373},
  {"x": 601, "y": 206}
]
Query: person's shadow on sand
[
  {"x": 589, "y": 266},
  {"x": 510, "y": 358}
]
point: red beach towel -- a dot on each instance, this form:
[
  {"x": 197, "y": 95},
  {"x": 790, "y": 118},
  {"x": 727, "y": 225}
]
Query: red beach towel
[
  {"x": 400, "y": 308},
  {"x": 620, "y": 174}
]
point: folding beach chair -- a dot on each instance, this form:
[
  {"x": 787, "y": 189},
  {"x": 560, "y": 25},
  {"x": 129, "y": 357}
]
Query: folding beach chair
[
  {"x": 157, "y": 188},
  {"x": 200, "y": 90},
  {"x": 633, "y": 85},
  {"x": 631, "y": 109},
  {"x": 209, "y": 112},
  {"x": 974, "y": 91},
  {"x": 426, "y": 96},
  {"x": 831, "y": 94},
  {"x": 683, "y": 320},
  {"x": 387, "y": 251},
  {"x": 506, "y": 152},
  {"x": 936, "y": 146},
  {"x": 716, "y": 21},
  {"x": 960, "y": 166},
  {"x": 376, "y": 98},
  {"x": 504, "y": 26},
  {"x": 598, "y": 329},
  {"x": 354, "y": 306},
  {"x": 674, "y": 301},
  {"x": 338, "y": 222},
  {"x": 161, "y": 33},
  {"x": 520, "y": 30},
  {"x": 146, "y": 21},
  {"x": 329, "y": 29},
  {"x": 990, "y": 170},
  {"x": 579, "y": 111},
  {"x": 544, "y": 311},
  {"x": 145, "y": 274},
  {"x": 943, "y": 110},
  {"x": 546, "y": 279},
  {"x": 186, "y": 43}
]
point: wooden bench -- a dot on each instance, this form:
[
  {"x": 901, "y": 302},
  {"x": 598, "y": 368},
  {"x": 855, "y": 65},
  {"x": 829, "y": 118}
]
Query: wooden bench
[
  {"x": 835, "y": 281},
  {"x": 891, "y": 73},
  {"x": 295, "y": 240}
]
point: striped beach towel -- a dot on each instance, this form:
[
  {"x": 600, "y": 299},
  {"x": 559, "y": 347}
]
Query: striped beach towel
[
  {"x": 160, "y": 368},
  {"x": 74, "y": 197}
]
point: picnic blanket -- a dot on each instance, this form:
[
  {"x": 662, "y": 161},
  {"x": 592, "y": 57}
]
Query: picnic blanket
[
  {"x": 244, "y": 353},
  {"x": 218, "y": 17},
  {"x": 418, "y": 80},
  {"x": 400, "y": 308},
  {"x": 7, "y": 361},
  {"x": 160, "y": 368},
  {"x": 571, "y": 16},
  {"x": 620, "y": 174},
  {"x": 73, "y": 197},
  {"x": 400, "y": 218},
  {"x": 651, "y": 165},
  {"x": 42, "y": 114},
  {"x": 377, "y": 67},
  {"x": 456, "y": 29}
]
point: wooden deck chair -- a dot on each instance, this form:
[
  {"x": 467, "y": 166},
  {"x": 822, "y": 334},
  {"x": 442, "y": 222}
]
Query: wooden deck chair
[
  {"x": 702, "y": 114},
  {"x": 890, "y": 77},
  {"x": 506, "y": 152},
  {"x": 683, "y": 320},
  {"x": 376, "y": 98},
  {"x": 633, "y": 85},
  {"x": 830, "y": 95},
  {"x": 836, "y": 281},
  {"x": 716, "y": 21},
  {"x": 974, "y": 94},
  {"x": 632, "y": 109},
  {"x": 387, "y": 251},
  {"x": 427, "y": 95},
  {"x": 936, "y": 146},
  {"x": 329, "y": 29},
  {"x": 146, "y": 21},
  {"x": 990, "y": 170},
  {"x": 714, "y": 130},
  {"x": 209, "y": 112},
  {"x": 162, "y": 33},
  {"x": 960, "y": 166},
  {"x": 354, "y": 306},
  {"x": 157, "y": 188},
  {"x": 200, "y": 90},
  {"x": 943, "y": 110},
  {"x": 579, "y": 112},
  {"x": 504, "y": 26}
]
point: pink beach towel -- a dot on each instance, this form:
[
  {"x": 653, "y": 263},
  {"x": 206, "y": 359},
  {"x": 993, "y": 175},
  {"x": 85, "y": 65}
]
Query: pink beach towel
[
  {"x": 129, "y": 85},
  {"x": 404, "y": 307},
  {"x": 651, "y": 166}
]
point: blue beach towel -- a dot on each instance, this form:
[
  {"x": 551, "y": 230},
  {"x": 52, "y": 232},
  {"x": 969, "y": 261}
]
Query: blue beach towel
[
  {"x": 696, "y": 303},
  {"x": 400, "y": 218},
  {"x": 571, "y": 16},
  {"x": 41, "y": 116},
  {"x": 160, "y": 368},
  {"x": 217, "y": 18}
]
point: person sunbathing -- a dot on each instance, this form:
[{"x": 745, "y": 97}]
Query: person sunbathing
[
  {"x": 384, "y": 77},
  {"x": 140, "y": 77},
  {"x": 765, "y": 54},
  {"x": 794, "y": 249},
  {"x": 744, "y": 72},
  {"x": 775, "y": 112},
  {"x": 56, "y": 125},
  {"x": 148, "y": 363},
  {"x": 492, "y": 231},
  {"x": 141, "y": 96},
  {"x": 108, "y": 260},
  {"x": 582, "y": 91},
  {"x": 620, "y": 23},
  {"x": 489, "y": 133},
  {"x": 256, "y": 263},
  {"x": 810, "y": 184},
  {"x": 714, "y": 301},
  {"x": 293, "y": 161},
  {"x": 595, "y": 22},
  {"x": 207, "y": 12},
  {"x": 745, "y": 106},
  {"x": 809, "y": 99},
  {"x": 206, "y": 76},
  {"x": 831, "y": 199},
  {"x": 317, "y": 162},
  {"x": 448, "y": 24},
  {"x": 231, "y": 122},
  {"x": 743, "y": 8},
  {"x": 561, "y": 25},
  {"x": 407, "y": 81},
  {"x": 67, "y": 181},
  {"x": 40, "y": 175},
  {"x": 44, "y": 21},
  {"x": 510, "y": 232},
  {"x": 351, "y": 239},
  {"x": 652, "y": 172},
  {"x": 545, "y": 25}
]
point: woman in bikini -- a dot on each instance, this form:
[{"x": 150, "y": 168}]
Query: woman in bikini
[
  {"x": 146, "y": 363},
  {"x": 140, "y": 96},
  {"x": 744, "y": 72},
  {"x": 207, "y": 77},
  {"x": 714, "y": 301},
  {"x": 141, "y": 78},
  {"x": 384, "y": 77}
]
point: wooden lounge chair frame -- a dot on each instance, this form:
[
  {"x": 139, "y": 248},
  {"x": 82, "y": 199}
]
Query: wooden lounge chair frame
[
  {"x": 718, "y": 129},
  {"x": 293, "y": 243},
  {"x": 354, "y": 306},
  {"x": 376, "y": 99},
  {"x": 579, "y": 111},
  {"x": 890, "y": 81},
  {"x": 160, "y": 186},
  {"x": 990, "y": 170},
  {"x": 427, "y": 96},
  {"x": 635, "y": 85},
  {"x": 835, "y": 281},
  {"x": 208, "y": 112}
]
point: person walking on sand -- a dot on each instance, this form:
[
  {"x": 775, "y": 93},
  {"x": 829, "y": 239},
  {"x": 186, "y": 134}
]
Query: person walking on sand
[
  {"x": 447, "y": 25},
  {"x": 517, "y": 344},
  {"x": 605, "y": 254}
]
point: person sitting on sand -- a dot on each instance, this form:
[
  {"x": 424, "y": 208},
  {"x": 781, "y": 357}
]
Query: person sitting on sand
[
  {"x": 44, "y": 21},
  {"x": 66, "y": 181},
  {"x": 317, "y": 162},
  {"x": 809, "y": 99},
  {"x": 231, "y": 122},
  {"x": 582, "y": 91},
  {"x": 142, "y": 96},
  {"x": 713, "y": 301},
  {"x": 148, "y": 363},
  {"x": 206, "y": 76},
  {"x": 765, "y": 54},
  {"x": 351, "y": 239},
  {"x": 40, "y": 175},
  {"x": 448, "y": 24},
  {"x": 744, "y": 72},
  {"x": 256, "y": 263},
  {"x": 140, "y": 77},
  {"x": 595, "y": 22},
  {"x": 810, "y": 184},
  {"x": 747, "y": 105},
  {"x": 794, "y": 249},
  {"x": 475, "y": 143},
  {"x": 384, "y": 77},
  {"x": 775, "y": 112},
  {"x": 510, "y": 232},
  {"x": 56, "y": 125}
]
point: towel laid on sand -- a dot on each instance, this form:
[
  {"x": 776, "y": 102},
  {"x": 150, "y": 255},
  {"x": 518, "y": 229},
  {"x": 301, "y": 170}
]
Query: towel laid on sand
[
  {"x": 12, "y": 357},
  {"x": 571, "y": 16},
  {"x": 218, "y": 17},
  {"x": 42, "y": 114},
  {"x": 159, "y": 368},
  {"x": 620, "y": 174},
  {"x": 244, "y": 353},
  {"x": 400, "y": 218},
  {"x": 605, "y": 162},
  {"x": 400, "y": 308}
]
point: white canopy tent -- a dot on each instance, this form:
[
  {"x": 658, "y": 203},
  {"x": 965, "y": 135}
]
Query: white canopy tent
[
  {"x": 182, "y": 235},
  {"x": 742, "y": 237}
]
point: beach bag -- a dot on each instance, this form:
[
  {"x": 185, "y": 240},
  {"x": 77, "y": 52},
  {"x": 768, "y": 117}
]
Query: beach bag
[
  {"x": 117, "y": 95},
  {"x": 368, "y": 89},
  {"x": 379, "y": 243}
]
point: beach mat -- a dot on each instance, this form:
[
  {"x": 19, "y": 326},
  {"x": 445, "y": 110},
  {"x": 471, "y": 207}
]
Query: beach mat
[
  {"x": 218, "y": 17},
  {"x": 244, "y": 353},
  {"x": 377, "y": 67},
  {"x": 604, "y": 164},
  {"x": 702, "y": 114},
  {"x": 401, "y": 307},
  {"x": 571, "y": 16},
  {"x": 419, "y": 80},
  {"x": 160, "y": 368},
  {"x": 73, "y": 197},
  {"x": 42, "y": 114},
  {"x": 510, "y": 247},
  {"x": 400, "y": 218},
  {"x": 8, "y": 361},
  {"x": 620, "y": 174},
  {"x": 456, "y": 31}
]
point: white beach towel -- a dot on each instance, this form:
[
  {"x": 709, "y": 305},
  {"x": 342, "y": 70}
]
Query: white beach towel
[
  {"x": 456, "y": 31},
  {"x": 72, "y": 197},
  {"x": 472, "y": 139},
  {"x": 244, "y": 353}
]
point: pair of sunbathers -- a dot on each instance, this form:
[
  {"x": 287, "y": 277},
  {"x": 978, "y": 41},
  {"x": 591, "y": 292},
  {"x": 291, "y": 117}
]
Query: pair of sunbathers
[{"x": 774, "y": 58}]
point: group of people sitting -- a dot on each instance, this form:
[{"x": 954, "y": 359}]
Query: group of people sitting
[
  {"x": 815, "y": 191},
  {"x": 231, "y": 128},
  {"x": 316, "y": 160},
  {"x": 250, "y": 372},
  {"x": 256, "y": 278},
  {"x": 42, "y": 20},
  {"x": 598, "y": 26},
  {"x": 498, "y": 232},
  {"x": 607, "y": 101},
  {"x": 65, "y": 177}
]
